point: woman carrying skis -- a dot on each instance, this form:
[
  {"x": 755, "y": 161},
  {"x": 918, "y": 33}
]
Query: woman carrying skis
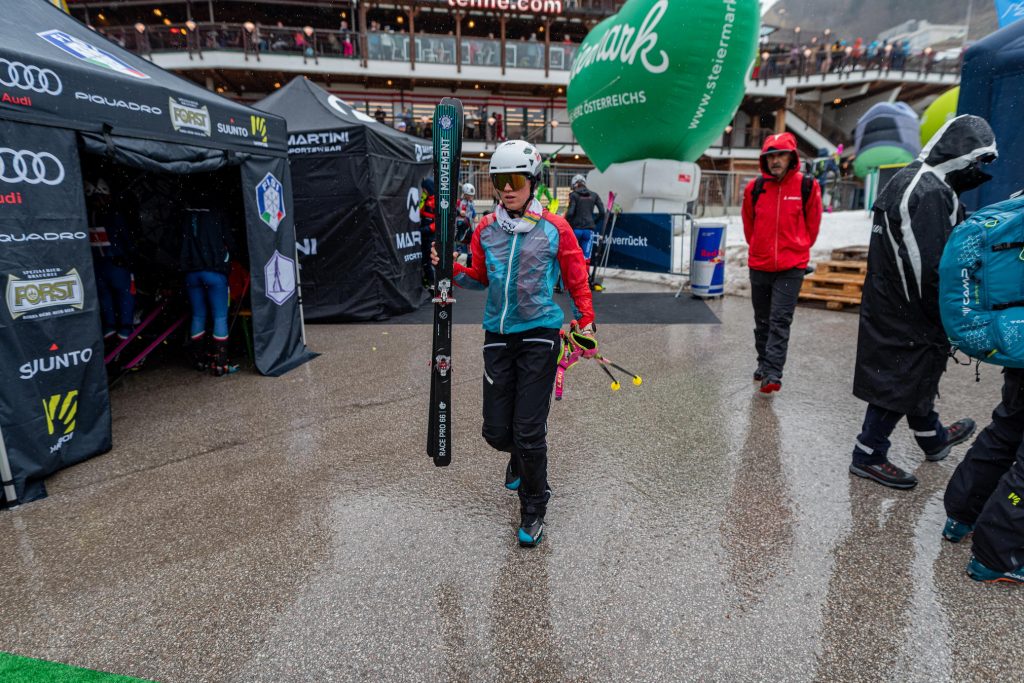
[{"x": 519, "y": 252}]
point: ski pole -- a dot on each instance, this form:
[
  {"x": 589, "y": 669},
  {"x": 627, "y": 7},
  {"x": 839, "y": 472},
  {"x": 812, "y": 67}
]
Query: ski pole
[{"x": 637, "y": 379}]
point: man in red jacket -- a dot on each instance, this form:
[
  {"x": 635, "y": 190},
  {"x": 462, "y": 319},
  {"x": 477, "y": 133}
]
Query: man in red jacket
[{"x": 781, "y": 218}]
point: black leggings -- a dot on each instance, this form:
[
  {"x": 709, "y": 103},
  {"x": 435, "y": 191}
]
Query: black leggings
[{"x": 519, "y": 374}]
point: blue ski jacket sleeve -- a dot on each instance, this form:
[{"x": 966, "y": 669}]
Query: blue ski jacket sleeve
[{"x": 520, "y": 271}]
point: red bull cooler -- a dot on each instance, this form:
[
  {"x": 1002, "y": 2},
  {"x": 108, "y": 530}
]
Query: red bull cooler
[{"x": 707, "y": 260}]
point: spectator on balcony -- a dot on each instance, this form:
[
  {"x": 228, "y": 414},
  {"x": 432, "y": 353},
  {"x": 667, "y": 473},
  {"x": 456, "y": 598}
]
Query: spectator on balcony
[
  {"x": 347, "y": 48},
  {"x": 279, "y": 38},
  {"x": 380, "y": 115},
  {"x": 499, "y": 128},
  {"x": 567, "y": 40}
]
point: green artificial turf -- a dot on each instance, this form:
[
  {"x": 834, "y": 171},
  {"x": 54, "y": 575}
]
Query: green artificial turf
[{"x": 15, "y": 669}]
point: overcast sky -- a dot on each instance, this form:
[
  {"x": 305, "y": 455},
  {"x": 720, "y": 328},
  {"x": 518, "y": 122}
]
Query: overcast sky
[{"x": 765, "y": 4}]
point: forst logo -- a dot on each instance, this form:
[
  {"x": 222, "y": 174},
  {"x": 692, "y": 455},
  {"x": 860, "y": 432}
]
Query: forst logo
[
  {"x": 270, "y": 201},
  {"x": 60, "y": 411},
  {"x": 189, "y": 117},
  {"x": 25, "y": 296}
]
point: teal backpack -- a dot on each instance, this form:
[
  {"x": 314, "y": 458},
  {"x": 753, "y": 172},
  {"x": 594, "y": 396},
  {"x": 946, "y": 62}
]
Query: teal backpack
[{"x": 981, "y": 284}]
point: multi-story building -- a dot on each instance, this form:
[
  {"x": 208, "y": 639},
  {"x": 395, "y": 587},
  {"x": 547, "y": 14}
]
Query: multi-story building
[{"x": 508, "y": 60}]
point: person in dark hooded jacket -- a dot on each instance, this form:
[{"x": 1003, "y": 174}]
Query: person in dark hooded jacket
[
  {"x": 580, "y": 214},
  {"x": 901, "y": 345}
]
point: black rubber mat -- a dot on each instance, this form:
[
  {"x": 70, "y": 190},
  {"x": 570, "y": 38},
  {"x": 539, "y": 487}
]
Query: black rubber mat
[{"x": 655, "y": 308}]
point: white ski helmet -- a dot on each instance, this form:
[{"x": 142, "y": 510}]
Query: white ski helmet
[
  {"x": 468, "y": 189},
  {"x": 516, "y": 156},
  {"x": 578, "y": 179}
]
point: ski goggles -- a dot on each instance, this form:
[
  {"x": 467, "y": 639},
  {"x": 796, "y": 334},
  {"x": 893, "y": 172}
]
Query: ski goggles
[{"x": 517, "y": 180}]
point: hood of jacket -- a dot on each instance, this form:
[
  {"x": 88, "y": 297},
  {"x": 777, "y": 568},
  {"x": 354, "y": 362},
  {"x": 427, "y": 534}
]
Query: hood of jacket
[
  {"x": 960, "y": 144},
  {"x": 780, "y": 142}
]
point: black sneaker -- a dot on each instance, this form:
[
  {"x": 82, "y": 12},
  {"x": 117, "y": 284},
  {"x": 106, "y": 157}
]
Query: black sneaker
[
  {"x": 770, "y": 385},
  {"x": 512, "y": 479},
  {"x": 958, "y": 432},
  {"x": 531, "y": 532},
  {"x": 758, "y": 375},
  {"x": 885, "y": 474}
]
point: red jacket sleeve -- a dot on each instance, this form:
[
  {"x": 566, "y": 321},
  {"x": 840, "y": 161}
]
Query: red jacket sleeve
[
  {"x": 479, "y": 270},
  {"x": 573, "y": 267},
  {"x": 812, "y": 213},
  {"x": 748, "y": 212}
]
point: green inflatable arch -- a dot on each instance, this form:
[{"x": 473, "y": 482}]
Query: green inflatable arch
[{"x": 661, "y": 79}]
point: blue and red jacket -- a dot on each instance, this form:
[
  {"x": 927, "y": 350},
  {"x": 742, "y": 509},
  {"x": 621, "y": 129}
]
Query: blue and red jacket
[{"x": 520, "y": 272}]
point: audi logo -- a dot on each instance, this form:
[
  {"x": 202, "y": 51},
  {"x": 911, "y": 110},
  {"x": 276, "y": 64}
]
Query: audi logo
[
  {"x": 24, "y": 166},
  {"x": 29, "y": 77}
]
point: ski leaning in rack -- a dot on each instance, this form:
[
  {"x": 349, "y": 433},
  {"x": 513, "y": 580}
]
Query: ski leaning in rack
[{"x": 447, "y": 154}]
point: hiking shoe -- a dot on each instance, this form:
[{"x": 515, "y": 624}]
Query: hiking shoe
[
  {"x": 530, "y": 532},
  {"x": 885, "y": 474},
  {"x": 979, "y": 572},
  {"x": 512, "y": 479},
  {"x": 958, "y": 432},
  {"x": 955, "y": 531},
  {"x": 770, "y": 384}
]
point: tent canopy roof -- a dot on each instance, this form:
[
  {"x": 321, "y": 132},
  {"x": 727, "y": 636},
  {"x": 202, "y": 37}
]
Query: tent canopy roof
[
  {"x": 307, "y": 108},
  {"x": 65, "y": 74}
]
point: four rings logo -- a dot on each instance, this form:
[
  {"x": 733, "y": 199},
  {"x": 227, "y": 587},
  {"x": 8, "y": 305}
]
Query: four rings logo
[
  {"x": 189, "y": 117},
  {"x": 29, "y": 77},
  {"x": 26, "y": 166},
  {"x": 26, "y": 296},
  {"x": 60, "y": 411}
]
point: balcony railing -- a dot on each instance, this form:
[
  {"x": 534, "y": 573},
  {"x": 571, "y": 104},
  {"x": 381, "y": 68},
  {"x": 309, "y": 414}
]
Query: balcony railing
[
  {"x": 255, "y": 40},
  {"x": 807, "y": 64}
]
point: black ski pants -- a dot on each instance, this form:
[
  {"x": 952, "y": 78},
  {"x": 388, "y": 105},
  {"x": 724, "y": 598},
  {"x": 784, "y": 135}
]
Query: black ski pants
[
  {"x": 774, "y": 298},
  {"x": 519, "y": 374},
  {"x": 987, "y": 488},
  {"x": 872, "y": 445}
]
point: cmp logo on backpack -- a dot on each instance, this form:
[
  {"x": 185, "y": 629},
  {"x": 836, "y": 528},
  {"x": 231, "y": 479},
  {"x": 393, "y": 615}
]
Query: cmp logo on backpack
[
  {"x": 280, "y": 278},
  {"x": 270, "y": 201}
]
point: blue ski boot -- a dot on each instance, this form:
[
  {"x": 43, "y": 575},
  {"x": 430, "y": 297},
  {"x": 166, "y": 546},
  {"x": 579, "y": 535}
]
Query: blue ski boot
[
  {"x": 979, "y": 572},
  {"x": 955, "y": 531}
]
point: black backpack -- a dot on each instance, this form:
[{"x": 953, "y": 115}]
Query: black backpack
[{"x": 806, "y": 187}]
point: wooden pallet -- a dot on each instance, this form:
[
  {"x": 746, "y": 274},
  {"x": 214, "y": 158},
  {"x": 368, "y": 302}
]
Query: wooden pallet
[
  {"x": 857, "y": 253},
  {"x": 838, "y": 283}
]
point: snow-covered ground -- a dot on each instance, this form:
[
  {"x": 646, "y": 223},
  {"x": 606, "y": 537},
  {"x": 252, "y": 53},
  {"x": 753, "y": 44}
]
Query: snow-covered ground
[{"x": 838, "y": 229}]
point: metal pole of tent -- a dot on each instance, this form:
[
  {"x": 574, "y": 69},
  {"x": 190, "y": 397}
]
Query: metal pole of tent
[
  {"x": 298, "y": 294},
  {"x": 5, "y": 473}
]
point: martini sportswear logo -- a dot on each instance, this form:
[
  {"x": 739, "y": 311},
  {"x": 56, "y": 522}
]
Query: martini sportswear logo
[
  {"x": 270, "y": 201},
  {"x": 89, "y": 53},
  {"x": 44, "y": 293},
  {"x": 280, "y": 278}
]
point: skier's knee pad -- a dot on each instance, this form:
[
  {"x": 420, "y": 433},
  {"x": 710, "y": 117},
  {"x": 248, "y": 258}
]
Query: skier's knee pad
[
  {"x": 530, "y": 437},
  {"x": 498, "y": 436}
]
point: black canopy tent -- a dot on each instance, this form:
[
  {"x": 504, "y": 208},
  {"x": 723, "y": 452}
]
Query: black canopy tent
[
  {"x": 357, "y": 191},
  {"x": 64, "y": 89}
]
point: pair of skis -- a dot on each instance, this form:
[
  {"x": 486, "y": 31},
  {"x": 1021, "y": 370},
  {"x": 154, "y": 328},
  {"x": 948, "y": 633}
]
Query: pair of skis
[
  {"x": 447, "y": 133},
  {"x": 603, "y": 248}
]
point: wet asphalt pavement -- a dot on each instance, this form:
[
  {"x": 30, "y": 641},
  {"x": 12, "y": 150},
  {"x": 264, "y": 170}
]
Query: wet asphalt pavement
[{"x": 292, "y": 529}]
